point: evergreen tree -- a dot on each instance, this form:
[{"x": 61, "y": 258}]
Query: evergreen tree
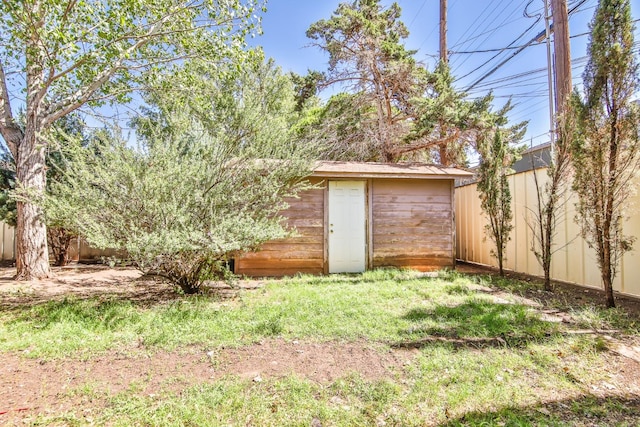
[
  {"x": 367, "y": 57},
  {"x": 496, "y": 157},
  {"x": 392, "y": 108},
  {"x": 606, "y": 147}
]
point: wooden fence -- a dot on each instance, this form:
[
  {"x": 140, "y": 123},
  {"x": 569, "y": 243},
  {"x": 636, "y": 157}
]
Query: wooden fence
[{"x": 573, "y": 261}]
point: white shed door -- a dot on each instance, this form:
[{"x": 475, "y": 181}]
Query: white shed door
[{"x": 347, "y": 227}]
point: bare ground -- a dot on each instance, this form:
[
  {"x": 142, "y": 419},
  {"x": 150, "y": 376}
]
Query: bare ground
[{"x": 29, "y": 387}]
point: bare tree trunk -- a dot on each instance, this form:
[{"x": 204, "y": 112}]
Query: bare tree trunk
[
  {"x": 32, "y": 254},
  {"x": 59, "y": 240},
  {"x": 549, "y": 227},
  {"x": 500, "y": 249},
  {"x": 608, "y": 287}
]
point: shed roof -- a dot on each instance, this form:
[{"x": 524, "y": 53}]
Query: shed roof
[{"x": 333, "y": 169}]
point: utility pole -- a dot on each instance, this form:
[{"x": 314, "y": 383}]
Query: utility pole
[
  {"x": 552, "y": 116},
  {"x": 444, "y": 58},
  {"x": 562, "y": 53}
]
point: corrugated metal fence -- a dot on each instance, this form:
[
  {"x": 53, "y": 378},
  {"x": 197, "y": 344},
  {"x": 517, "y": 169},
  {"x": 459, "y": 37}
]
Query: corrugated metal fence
[{"x": 573, "y": 260}]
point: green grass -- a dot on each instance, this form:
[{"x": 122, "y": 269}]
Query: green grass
[
  {"x": 495, "y": 387},
  {"x": 476, "y": 361},
  {"x": 387, "y": 306}
]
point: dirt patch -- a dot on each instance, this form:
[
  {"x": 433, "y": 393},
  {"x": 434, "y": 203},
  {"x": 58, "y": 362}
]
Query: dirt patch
[
  {"x": 320, "y": 362},
  {"x": 29, "y": 387},
  {"x": 81, "y": 281}
]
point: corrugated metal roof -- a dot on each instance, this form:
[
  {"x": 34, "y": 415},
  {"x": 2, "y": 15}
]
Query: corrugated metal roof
[{"x": 333, "y": 169}]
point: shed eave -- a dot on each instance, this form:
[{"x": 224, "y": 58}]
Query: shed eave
[
  {"x": 368, "y": 175},
  {"x": 366, "y": 170}
]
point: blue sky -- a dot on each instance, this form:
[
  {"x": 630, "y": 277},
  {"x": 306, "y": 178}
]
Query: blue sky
[{"x": 474, "y": 25}]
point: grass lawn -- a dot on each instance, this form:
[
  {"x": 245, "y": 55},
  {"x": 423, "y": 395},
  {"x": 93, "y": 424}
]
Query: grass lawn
[{"x": 383, "y": 348}]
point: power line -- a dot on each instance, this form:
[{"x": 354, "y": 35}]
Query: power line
[
  {"x": 494, "y": 56},
  {"x": 475, "y": 25},
  {"x": 417, "y": 13},
  {"x": 533, "y": 40},
  {"x": 486, "y": 31},
  {"x": 500, "y": 49}
]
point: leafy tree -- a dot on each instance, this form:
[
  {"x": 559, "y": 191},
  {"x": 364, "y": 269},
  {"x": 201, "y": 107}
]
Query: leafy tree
[
  {"x": 68, "y": 129},
  {"x": 342, "y": 127},
  {"x": 7, "y": 185},
  {"x": 64, "y": 55},
  {"x": 606, "y": 147},
  {"x": 306, "y": 88},
  {"x": 447, "y": 124},
  {"x": 206, "y": 182},
  {"x": 550, "y": 196},
  {"x": 496, "y": 157},
  {"x": 59, "y": 238}
]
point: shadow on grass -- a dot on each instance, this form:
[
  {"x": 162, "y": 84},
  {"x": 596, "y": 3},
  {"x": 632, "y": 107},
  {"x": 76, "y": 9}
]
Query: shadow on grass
[
  {"x": 143, "y": 292},
  {"x": 144, "y": 296},
  {"x": 584, "y": 410},
  {"x": 475, "y": 323},
  {"x": 110, "y": 313}
]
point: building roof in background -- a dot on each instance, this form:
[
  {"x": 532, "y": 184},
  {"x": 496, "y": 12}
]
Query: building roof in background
[
  {"x": 535, "y": 157},
  {"x": 334, "y": 169}
]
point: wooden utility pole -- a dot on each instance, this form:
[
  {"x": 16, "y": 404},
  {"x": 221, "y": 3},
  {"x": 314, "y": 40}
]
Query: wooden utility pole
[
  {"x": 552, "y": 114},
  {"x": 562, "y": 53},
  {"x": 444, "y": 58}
]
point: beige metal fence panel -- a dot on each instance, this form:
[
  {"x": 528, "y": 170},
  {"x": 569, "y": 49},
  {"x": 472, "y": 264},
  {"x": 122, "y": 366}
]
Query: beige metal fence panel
[
  {"x": 8, "y": 237},
  {"x": 573, "y": 261}
]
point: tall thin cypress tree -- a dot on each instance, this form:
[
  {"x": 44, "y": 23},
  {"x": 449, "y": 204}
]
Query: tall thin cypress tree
[
  {"x": 496, "y": 158},
  {"x": 606, "y": 147}
]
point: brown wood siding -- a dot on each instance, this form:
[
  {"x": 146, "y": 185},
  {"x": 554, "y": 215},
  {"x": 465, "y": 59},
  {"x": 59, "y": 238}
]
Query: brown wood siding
[
  {"x": 302, "y": 253},
  {"x": 412, "y": 223}
]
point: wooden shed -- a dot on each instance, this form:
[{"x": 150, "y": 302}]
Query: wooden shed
[{"x": 363, "y": 216}]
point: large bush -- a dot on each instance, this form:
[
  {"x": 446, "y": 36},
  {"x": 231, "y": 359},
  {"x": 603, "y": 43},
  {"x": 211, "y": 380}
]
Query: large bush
[{"x": 205, "y": 180}]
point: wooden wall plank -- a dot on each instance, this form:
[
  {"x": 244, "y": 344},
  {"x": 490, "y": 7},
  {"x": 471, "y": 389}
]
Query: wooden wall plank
[
  {"x": 300, "y": 253},
  {"x": 418, "y": 198},
  {"x": 412, "y": 224},
  {"x": 407, "y": 213},
  {"x": 280, "y": 272},
  {"x": 413, "y": 187}
]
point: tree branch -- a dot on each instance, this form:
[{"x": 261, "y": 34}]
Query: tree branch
[
  {"x": 10, "y": 131},
  {"x": 82, "y": 95},
  {"x": 415, "y": 147}
]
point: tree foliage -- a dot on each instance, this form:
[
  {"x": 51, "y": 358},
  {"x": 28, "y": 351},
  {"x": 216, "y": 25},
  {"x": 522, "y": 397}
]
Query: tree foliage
[
  {"x": 606, "y": 146},
  {"x": 66, "y": 54},
  {"x": 551, "y": 195},
  {"x": 447, "y": 124},
  {"x": 391, "y": 108},
  {"x": 206, "y": 182},
  {"x": 59, "y": 238},
  {"x": 366, "y": 56},
  {"x": 497, "y": 154}
]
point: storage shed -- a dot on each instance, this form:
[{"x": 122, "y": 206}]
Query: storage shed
[{"x": 363, "y": 216}]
